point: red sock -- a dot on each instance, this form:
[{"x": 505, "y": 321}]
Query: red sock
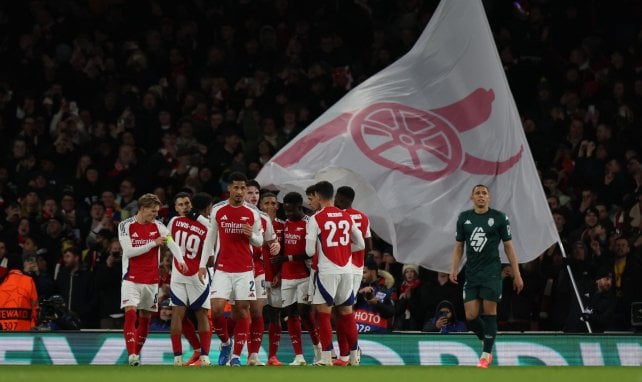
[
  {"x": 342, "y": 338},
  {"x": 177, "y": 346},
  {"x": 141, "y": 332},
  {"x": 274, "y": 336},
  {"x": 241, "y": 333},
  {"x": 231, "y": 322},
  {"x": 257, "y": 327},
  {"x": 206, "y": 340},
  {"x": 129, "y": 331},
  {"x": 310, "y": 325},
  {"x": 189, "y": 331},
  {"x": 325, "y": 330},
  {"x": 350, "y": 332},
  {"x": 219, "y": 325},
  {"x": 294, "y": 330}
]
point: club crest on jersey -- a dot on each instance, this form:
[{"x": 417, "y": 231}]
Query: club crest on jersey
[
  {"x": 244, "y": 218},
  {"x": 491, "y": 221},
  {"x": 152, "y": 233}
]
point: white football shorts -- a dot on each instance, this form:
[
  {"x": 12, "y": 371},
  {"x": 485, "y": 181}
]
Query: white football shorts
[
  {"x": 142, "y": 296},
  {"x": 193, "y": 296},
  {"x": 357, "y": 274},
  {"x": 294, "y": 291},
  {"x": 312, "y": 285},
  {"x": 334, "y": 290},
  {"x": 273, "y": 295},
  {"x": 233, "y": 286}
]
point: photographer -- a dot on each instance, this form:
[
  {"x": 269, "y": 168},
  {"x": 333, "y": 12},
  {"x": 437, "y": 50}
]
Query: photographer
[
  {"x": 107, "y": 281},
  {"x": 374, "y": 308},
  {"x": 445, "y": 320}
]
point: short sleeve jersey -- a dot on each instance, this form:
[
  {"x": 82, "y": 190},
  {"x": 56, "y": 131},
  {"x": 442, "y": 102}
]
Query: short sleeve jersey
[
  {"x": 189, "y": 235},
  {"x": 362, "y": 222},
  {"x": 294, "y": 244},
  {"x": 234, "y": 249},
  {"x": 331, "y": 229},
  {"x": 143, "y": 268},
  {"x": 271, "y": 269},
  {"x": 257, "y": 252},
  {"x": 482, "y": 234}
]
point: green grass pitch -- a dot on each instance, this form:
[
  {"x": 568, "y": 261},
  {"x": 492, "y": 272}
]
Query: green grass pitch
[{"x": 312, "y": 374}]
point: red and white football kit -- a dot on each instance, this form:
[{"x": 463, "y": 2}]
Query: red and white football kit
[
  {"x": 234, "y": 267},
  {"x": 294, "y": 274},
  {"x": 186, "y": 288},
  {"x": 332, "y": 235},
  {"x": 140, "y": 262},
  {"x": 362, "y": 222}
]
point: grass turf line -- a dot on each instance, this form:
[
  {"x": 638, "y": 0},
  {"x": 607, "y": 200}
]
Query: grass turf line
[{"x": 54, "y": 373}]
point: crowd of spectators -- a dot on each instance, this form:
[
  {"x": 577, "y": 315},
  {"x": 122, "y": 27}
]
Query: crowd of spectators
[{"x": 101, "y": 101}]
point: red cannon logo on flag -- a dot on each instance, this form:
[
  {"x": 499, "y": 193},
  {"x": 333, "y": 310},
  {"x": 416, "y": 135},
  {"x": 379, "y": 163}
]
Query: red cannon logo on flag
[{"x": 423, "y": 144}]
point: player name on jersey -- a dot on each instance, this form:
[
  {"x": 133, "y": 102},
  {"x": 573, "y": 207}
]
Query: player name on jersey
[{"x": 191, "y": 228}]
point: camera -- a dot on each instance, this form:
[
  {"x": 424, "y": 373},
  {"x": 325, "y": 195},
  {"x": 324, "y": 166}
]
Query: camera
[{"x": 54, "y": 315}]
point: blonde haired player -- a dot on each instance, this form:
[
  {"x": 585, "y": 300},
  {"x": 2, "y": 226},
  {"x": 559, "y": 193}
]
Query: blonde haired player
[{"x": 141, "y": 238}]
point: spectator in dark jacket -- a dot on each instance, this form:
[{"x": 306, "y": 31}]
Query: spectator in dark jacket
[
  {"x": 107, "y": 280},
  {"x": 75, "y": 285}
]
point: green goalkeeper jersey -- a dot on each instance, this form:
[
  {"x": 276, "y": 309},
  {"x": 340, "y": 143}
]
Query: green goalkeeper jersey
[{"x": 482, "y": 234}]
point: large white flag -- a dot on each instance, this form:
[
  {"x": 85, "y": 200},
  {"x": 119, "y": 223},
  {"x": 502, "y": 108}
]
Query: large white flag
[{"x": 416, "y": 137}]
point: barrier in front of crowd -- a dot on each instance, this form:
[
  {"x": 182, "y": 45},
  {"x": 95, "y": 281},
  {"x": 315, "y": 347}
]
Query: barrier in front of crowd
[{"x": 98, "y": 347}]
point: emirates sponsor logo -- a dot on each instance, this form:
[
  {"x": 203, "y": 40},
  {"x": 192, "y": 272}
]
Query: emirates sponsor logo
[{"x": 140, "y": 242}]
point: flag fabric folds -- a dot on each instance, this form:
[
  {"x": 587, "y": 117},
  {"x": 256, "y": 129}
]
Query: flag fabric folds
[{"x": 416, "y": 137}]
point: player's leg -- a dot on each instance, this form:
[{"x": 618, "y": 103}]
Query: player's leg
[
  {"x": 305, "y": 312},
  {"x": 472, "y": 305},
  {"x": 148, "y": 304},
  {"x": 491, "y": 294},
  {"x": 198, "y": 296},
  {"x": 257, "y": 325},
  {"x": 342, "y": 337},
  {"x": 221, "y": 291},
  {"x": 274, "y": 332},
  {"x": 345, "y": 320},
  {"x": 323, "y": 302},
  {"x": 244, "y": 291},
  {"x": 241, "y": 329},
  {"x": 189, "y": 331},
  {"x": 205, "y": 334},
  {"x": 289, "y": 300},
  {"x": 130, "y": 298},
  {"x": 178, "y": 314},
  {"x": 178, "y": 296},
  {"x": 313, "y": 328},
  {"x": 144, "y": 320}
]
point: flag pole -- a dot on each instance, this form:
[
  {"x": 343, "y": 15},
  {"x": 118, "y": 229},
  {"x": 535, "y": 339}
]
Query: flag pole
[{"x": 570, "y": 275}]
